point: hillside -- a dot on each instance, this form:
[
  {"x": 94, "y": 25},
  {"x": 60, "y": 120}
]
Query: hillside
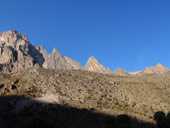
[
  {"x": 33, "y": 82},
  {"x": 137, "y": 96}
]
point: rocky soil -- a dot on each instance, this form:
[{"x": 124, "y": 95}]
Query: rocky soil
[{"x": 137, "y": 96}]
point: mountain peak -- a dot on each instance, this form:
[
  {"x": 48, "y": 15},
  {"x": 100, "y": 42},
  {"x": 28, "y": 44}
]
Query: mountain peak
[
  {"x": 158, "y": 69},
  {"x": 94, "y": 66},
  {"x": 76, "y": 65},
  {"x": 118, "y": 69},
  {"x": 11, "y": 38},
  {"x": 8, "y": 34},
  {"x": 92, "y": 58},
  {"x": 10, "y": 31},
  {"x": 120, "y": 72},
  {"x": 55, "y": 51},
  {"x": 159, "y": 65}
]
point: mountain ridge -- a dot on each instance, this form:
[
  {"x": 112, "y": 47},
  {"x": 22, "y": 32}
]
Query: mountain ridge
[
  {"x": 93, "y": 65},
  {"x": 17, "y": 53}
]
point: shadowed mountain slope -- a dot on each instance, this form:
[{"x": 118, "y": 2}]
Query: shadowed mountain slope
[
  {"x": 37, "y": 114},
  {"x": 105, "y": 93}
]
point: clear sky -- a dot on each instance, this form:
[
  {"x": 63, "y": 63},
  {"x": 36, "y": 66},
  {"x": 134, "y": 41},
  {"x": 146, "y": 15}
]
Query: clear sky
[{"x": 130, "y": 34}]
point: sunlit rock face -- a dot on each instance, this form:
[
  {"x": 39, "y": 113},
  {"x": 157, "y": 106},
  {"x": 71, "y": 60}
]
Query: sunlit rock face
[
  {"x": 94, "y": 66},
  {"x": 17, "y": 53},
  {"x": 56, "y": 61},
  {"x": 76, "y": 65},
  {"x": 158, "y": 69},
  {"x": 14, "y": 51}
]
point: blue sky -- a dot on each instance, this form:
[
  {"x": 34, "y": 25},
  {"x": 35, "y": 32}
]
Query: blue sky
[{"x": 130, "y": 34}]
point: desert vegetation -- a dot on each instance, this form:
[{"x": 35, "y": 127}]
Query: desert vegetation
[{"x": 113, "y": 97}]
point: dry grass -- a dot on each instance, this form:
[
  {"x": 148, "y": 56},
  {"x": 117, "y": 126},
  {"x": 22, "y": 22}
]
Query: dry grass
[{"x": 138, "y": 96}]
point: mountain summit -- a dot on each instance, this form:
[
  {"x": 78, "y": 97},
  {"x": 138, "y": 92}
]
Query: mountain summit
[
  {"x": 158, "y": 69},
  {"x": 17, "y": 53},
  {"x": 120, "y": 72},
  {"x": 94, "y": 66}
]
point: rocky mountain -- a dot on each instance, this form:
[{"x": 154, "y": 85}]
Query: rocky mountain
[
  {"x": 158, "y": 69},
  {"x": 41, "y": 54},
  {"x": 76, "y": 65},
  {"x": 17, "y": 53},
  {"x": 94, "y": 66},
  {"x": 71, "y": 97},
  {"x": 120, "y": 72},
  {"x": 56, "y": 61}
]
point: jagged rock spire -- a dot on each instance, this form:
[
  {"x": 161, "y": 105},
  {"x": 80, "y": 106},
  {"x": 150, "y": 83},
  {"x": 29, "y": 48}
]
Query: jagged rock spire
[{"x": 94, "y": 66}]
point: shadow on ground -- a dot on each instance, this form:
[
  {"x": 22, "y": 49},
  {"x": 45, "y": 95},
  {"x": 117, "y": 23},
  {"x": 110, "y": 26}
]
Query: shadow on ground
[{"x": 13, "y": 114}]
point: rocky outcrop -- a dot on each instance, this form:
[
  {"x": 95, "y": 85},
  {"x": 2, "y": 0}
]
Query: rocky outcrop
[
  {"x": 56, "y": 61},
  {"x": 40, "y": 54},
  {"x": 17, "y": 53},
  {"x": 94, "y": 66},
  {"x": 158, "y": 69},
  {"x": 120, "y": 72},
  {"x": 14, "y": 52},
  {"x": 76, "y": 65}
]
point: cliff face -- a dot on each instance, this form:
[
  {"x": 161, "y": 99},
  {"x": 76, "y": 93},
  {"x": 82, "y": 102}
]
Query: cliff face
[
  {"x": 76, "y": 65},
  {"x": 56, "y": 61},
  {"x": 94, "y": 66},
  {"x": 17, "y": 53}
]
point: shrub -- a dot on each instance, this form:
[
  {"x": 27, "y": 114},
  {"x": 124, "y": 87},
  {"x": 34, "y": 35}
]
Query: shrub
[{"x": 159, "y": 117}]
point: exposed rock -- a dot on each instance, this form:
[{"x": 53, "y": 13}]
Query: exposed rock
[
  {"x": 14, "y": 52},
  {"x": 56, "y": 61},
  {"x": 76, "y": 65},
  {"x": 40, "y": 54},
  {"x": 89, "y": 90},
  {"x": 7, "y": 55},
  {"x": 42, "y": 50},
  {"x": 17, "y": 53},
  {"x": 158, "y": 69},
  {"x": 94, "y": 66},
  {"x": 120, "y": 72}
]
